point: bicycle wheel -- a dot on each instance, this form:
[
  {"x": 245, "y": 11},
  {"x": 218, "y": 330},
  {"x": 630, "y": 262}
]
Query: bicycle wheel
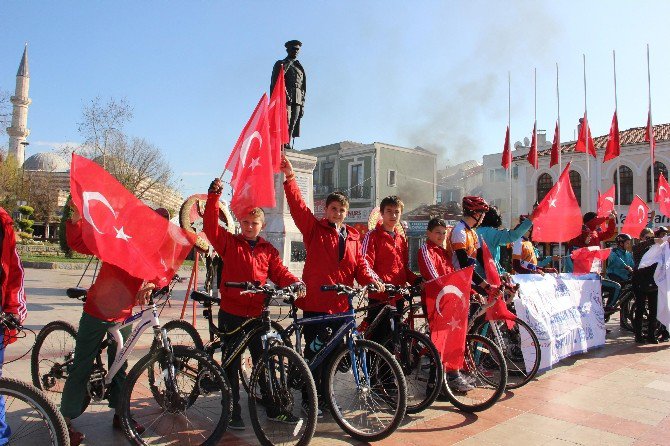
[
  {"x": 485, "y": 369},
  {"x": 372, "y": 408},
  {"x": 520, "y": 347},
  {"x": 31, "y": 417},
  {"x": 183, "y": 333},
  {"x": 277, "y": 384},
  {"x": 422, "y": 367},
  {"x": 193, "y": 403},
  {"x": 51, "y": 358},
  {"x": 627, "y": 310},
  {"x": 246, "y": 362},
  {"x": 417, "y": 323}
]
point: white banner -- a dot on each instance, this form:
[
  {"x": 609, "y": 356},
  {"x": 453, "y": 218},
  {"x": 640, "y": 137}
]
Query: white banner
[{"x": 565, "y": 311}]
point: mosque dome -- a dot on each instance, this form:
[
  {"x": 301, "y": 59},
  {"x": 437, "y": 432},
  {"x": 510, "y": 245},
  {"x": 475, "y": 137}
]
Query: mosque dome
[{"x": 46, "y": 161}]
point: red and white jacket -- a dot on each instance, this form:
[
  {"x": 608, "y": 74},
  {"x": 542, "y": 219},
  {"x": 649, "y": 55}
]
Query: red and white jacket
[
  {"x": 243, "y": 264},
  {"x": 434, "y": 261},
  {"x": 11, "y": 273},
  {"x": 323, "y": 265},
  {"x": 387, "y": 259}
]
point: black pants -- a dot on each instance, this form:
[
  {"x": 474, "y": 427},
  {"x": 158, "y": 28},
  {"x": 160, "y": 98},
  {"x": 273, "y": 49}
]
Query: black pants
[
  {"x": 383, "y": 328},
  {"x": 310, "y": 332},
  {"x": 293, "y": 111},
  {"x": 646, "y": 292},
  {"x": 229, "y": 322}
]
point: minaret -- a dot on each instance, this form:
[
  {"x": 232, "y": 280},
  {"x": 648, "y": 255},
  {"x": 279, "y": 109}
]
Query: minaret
[{"x": 18, "y": 132}]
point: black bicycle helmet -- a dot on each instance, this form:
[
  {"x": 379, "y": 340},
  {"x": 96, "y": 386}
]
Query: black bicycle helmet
[
  {"x": 622, "y": 238},
  {"x": 474, "y": 205},
  {"x": 492, "y": 218}
]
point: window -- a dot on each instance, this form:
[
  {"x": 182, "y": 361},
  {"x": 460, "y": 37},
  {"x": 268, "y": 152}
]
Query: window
[
  {"x": 439, "y": 196},
  {"x": 497, "y": 175},
  {"x": 626, "y": 191},
  {"x": 327, "y": 175},
  {"x": 391, "y": 179},
  {"x": 658, "y": 169},
  {"x": 356, "y": 181},
  {"x": 576, "y": 182},
  {"x": 544, "y": 184}
]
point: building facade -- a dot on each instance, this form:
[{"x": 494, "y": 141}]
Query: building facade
[{"x": 456, "y": 182}]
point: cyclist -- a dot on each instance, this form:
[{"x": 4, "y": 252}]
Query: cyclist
[
  {"x": 333, "y": 256},
  {"x": 110, "y": 299},
  {"x": 12, "y": 299},
  {"x": 386, "y": 254},
  {"x": 495, "y": 237},
  {"x": 248, "y": 258},
  {"x": 620, "y": 265},
  {"x": 525, "y": 255}
]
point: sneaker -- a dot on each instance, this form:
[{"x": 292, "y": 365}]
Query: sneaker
[
  {"x": 236, "y": 423},
  {"x": 459, "y": 384},
  {"x": 284, "y": 417},
  {"x": 116, "y": 423},
  {"x": 305, "y": 410}
]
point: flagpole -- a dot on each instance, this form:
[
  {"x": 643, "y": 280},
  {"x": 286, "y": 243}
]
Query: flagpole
[
  {"x": 651, "y": 133},
  {"x": 586, "y": 132},
  {"x": 509, "y": 112},
  {"x": 560, "y": 160},
  {"x": 618, "y": 158}
]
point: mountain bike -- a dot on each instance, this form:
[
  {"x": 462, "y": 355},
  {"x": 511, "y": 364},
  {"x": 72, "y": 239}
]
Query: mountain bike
[
  {"x": 27, "y": 417},
  {"x": 178, "y": 394}
]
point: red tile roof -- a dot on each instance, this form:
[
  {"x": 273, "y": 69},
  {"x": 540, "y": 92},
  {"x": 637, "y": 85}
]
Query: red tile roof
[{"x": 628, "y": 137}]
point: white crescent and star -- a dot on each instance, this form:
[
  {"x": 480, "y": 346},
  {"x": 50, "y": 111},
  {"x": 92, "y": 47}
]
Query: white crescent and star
[
  {"x": 246, "y": 144},
  {"x": 640, "y": 213},
  {"x": 611, "y": 199},
  {"x": 87, "y": 197},
  {"x": 449, "y": 289}
]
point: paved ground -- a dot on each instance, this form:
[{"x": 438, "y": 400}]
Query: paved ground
[{"x": 617, "y": 395}]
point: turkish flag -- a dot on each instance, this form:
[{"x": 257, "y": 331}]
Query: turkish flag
[
  {"x": 589, "y": 259},
  {"x": 507, "y": 152},
  {"x": 447, "y": 303},
  {"x": 121, "y": 230},
  {"x": 613, "y": 148},
  {"x": 558, "y": 217},
  {"x": 556, "y": 146},
  {"x": 663, "y": 196},
  {"x": 251, "y": 164},
  {"x": 532, "y": 154},
  {"x": 278, "y": 119},
  {"x": 636, "y": 220},
  {"x": 499, "y": 309},
  {"x": 606, "y": 202},
  {"x": 650, "y": 138},
  {"x": 585, "y": 140}
]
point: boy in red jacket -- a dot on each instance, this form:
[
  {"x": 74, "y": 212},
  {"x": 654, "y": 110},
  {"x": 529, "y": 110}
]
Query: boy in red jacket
[
  {"x": 248, "y": 258},
  {"x": 386, "y": 254},
  {"x": 333, "y": 256}
]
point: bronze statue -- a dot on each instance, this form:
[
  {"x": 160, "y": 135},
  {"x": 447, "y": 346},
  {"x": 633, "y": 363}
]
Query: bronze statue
[{"x": 296, "y": 85}]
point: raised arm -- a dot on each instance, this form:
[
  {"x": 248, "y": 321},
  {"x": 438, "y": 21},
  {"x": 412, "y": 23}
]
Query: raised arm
[
  {"x": 216, "y": 235},
  {"x": 304, "y": 218}
]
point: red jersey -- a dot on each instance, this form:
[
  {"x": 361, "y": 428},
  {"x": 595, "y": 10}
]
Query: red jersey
[
  {"x": 12, "y": 292},
  {"x": 434, "y": 261}
]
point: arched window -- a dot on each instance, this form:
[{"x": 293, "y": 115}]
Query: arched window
[
  {"x": 576, "y": 181},
  {"x": 659, "y": 168},
  {"x": 544, "y": 184},
  {"x": 626, "y": 185}
]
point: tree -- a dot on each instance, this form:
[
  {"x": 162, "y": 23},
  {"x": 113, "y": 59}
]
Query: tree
[
  {"x": 12, "y": 185},
  {"x": 5, "y": 111},
  {"x": 43, "y": 193}
]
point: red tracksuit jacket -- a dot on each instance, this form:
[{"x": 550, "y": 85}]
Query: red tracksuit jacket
[
  {"x": 241, "y": 263},
  {"x": 12, "y": 292},
  {"x": 323, "y": 265},
  {"x": 387, "y": 259},
  {"x": 434, "y": 261}
]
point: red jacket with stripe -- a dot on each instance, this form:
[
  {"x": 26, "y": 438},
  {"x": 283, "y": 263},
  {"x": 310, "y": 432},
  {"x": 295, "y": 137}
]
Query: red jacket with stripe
[
  {"x": 323, "y": 265},
  {"x": 242, "y": 263},
  {"x": 13, "y": 297},
  {"x": 387, "y": 259},
  {"x": 434, "y": 261}
]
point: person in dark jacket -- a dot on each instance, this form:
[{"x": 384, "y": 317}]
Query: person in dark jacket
[{"x": 645, "y": 289}]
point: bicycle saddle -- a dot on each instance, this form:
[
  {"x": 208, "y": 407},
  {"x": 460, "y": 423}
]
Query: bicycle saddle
[
  {"x": 76, "y": 293},
  {"x": 204, "y": 298}
]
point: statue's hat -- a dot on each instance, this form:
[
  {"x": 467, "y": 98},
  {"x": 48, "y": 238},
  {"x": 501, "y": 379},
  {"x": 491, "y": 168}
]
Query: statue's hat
[{"x": 293, "y": 44}]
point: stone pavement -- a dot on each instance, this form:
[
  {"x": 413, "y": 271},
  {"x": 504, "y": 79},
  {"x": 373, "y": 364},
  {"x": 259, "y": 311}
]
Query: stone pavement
[{"x": 617, "y": 395}]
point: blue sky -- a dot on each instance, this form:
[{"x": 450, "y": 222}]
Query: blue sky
[{"x": 429, "y": 73}]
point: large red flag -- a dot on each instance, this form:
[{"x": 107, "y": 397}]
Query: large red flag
[
  {"x": 636, "y": 220},
  {"x": 650, "y": 138},
  {"x": 278, "y": 118},
  {"x": 558, "y": 218},
  {"x": 585, "y": 140},
  {"x": 589, "y": 259},
  {"x": 663, "y": 196},
  {"x": 606, "y": 202},
  {"x": 448, "y": 302},
  {"x": 532, "y": 154},
  {"x": 121, "y": 230},
  {"x": 499, "y": 309},
  {"x": 251, "y": 164},
  {"x": 556, "y": 147},
  {"x": 507, "y": 152},
  {"x": 613, "y": 148}
]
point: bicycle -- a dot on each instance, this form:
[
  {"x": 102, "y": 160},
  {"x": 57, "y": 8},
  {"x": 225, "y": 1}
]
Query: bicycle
[
  {"x": 178, "y": 394},
  {"x": 278, "y": 379},
  {"x": 419, "y": 359},
  {"x": 30, "y": 416},
  {"x": 369, "y": 400}
]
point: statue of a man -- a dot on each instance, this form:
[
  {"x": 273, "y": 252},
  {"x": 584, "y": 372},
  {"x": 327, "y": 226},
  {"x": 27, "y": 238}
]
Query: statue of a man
[{"x": 296, "y": 85}]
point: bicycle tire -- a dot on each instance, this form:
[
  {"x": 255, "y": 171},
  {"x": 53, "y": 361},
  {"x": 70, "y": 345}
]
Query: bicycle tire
[
  {"x": 54, "y": 378},
  {"x": 518, "y": 374},
  {"x": 47, "y": 411},
  {"x": 626, "y": 310},
  {"x": 395, "y": 398},
  {"x": 479, "y": 350},
  {"x": 294, "y": 378},
  {"x": 189, "y": 337},
  {"x": 207, "y": 378}
]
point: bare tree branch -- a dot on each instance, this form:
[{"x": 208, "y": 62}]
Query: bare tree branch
[{"x": 5, "y": 111}]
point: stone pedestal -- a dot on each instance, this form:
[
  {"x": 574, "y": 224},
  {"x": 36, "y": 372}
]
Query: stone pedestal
[{"x": 280, "y": 229}]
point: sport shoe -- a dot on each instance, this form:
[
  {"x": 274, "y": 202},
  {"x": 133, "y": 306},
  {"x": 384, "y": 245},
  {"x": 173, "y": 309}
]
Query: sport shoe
[
  {"x": 116, "y": 423},
  {"x": 284, "y": 417},
  {"x": 459, "y": 384},
  {"x": 236, "y": 423},
  {"x": 305, "y": 410}
]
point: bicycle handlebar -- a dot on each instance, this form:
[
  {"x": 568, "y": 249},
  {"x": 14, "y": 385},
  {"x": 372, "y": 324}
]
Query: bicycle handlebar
[
  {"x": 10, "y": 321},
  {"x": 243, "y": 285}
]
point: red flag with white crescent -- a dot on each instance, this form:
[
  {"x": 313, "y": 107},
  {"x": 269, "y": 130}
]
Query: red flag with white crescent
[
  {"x": 663, "y": 196},
  {"x": 278, "y": 119},
  {"x": 636, "y": 219},
  {"x": 606, "y": 202}
]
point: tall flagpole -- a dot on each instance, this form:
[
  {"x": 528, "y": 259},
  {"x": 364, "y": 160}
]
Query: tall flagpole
[
  {"x": 651, "y": 135},
  {"x": 560, "y": 160},
  {"x": 586, "y": 151},
  {"x": 509, "y": 112},
  {"x": 618, "y": 158}
]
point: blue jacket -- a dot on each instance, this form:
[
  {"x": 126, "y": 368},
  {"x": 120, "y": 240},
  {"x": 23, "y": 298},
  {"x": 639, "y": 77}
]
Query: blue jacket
[
  {"x": 618, "y": 260},
  {"x": 495, "y": 238}
]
